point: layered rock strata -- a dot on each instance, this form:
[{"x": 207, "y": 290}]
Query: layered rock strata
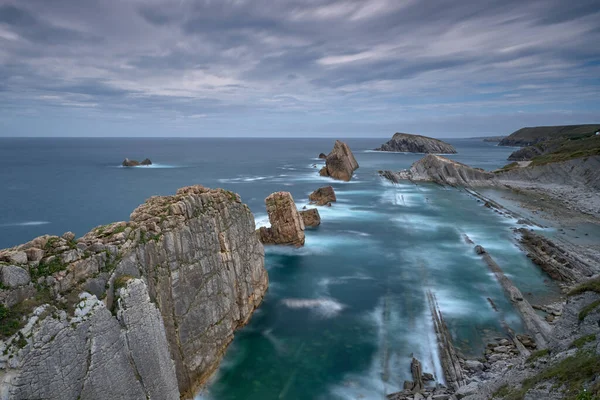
[
  {"x": 287, "y": 226},
  {"x": 138, "y": 309},
  {"x": 340, "y": 164},
  {"x": 407, "y": 143}
]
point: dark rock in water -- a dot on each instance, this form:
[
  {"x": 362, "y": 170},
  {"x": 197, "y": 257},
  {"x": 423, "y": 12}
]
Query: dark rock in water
[
  {"x": 323, "y": 155},
  {"x": 322, "y": 196},
  {"x": 340, "y": 163},
  {"x": 287, "y": 226},
  {"x": 134, "y": 163},
  {"x": 479, "y": 250},
  {"x": 311, "y": 217},
  {"x": 405, "y": 142}
]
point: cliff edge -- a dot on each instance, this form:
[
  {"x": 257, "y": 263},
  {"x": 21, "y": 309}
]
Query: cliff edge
[{"x": 138, "y": 309}]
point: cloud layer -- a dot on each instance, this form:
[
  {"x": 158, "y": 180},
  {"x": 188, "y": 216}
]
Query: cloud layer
[{"x": 296, "y": 67}]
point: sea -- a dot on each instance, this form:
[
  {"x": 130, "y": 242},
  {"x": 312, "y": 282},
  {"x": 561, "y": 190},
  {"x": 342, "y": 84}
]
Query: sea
[{"x": 344, "y": 314}]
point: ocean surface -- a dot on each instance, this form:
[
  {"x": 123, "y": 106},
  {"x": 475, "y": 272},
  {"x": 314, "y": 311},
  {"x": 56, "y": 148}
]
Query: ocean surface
[{"x": 344, "y": 314}]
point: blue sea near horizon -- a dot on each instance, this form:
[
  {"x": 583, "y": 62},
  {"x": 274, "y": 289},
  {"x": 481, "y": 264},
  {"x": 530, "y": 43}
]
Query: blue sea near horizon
[{"x": 345, "y": 313}]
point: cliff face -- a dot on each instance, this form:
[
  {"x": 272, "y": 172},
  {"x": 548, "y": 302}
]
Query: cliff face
[
  {"x": 139, "y": 309},
  {"x": 405, "y": 142},
  {"x": 340, "y": 163}
]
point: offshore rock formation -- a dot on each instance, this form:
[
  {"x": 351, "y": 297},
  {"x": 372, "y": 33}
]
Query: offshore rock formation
[
  {"x": 433, "y": 168},
  {"x": 134, "y": 163},
  {"x": 322, "y": 156},
  {"x": 139, "y": 309},
  {"x": 322, "y": 196},
  {"x": 340, "y": 163},
  {"x": 310, "y": 217},
  {"x": 405, "y": 142},
  {"x": 287, "y": 226}
]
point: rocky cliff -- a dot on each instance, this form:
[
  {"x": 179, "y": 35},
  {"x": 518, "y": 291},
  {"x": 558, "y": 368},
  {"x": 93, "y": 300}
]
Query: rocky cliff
[
  {"x": 340, "y": 164},
  {"x": 532, "y": 135},
  {"x": 405, "y": 142},
  {"x": 139, "y": 309}
]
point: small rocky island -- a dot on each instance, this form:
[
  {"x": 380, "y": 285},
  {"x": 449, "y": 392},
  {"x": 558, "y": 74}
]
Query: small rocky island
[
  {"x": 408, "y": 143},
  {"x": 340, "y": 163},
  {"x": 135, "y": 163}
]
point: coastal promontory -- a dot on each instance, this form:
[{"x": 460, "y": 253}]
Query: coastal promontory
[
  {"x": 408, "y": 143},
  {"x": 142, "y": 309}
]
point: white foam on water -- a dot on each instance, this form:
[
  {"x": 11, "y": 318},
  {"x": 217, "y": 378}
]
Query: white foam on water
[
  {"x": 322, "y": 307},
  {"x": 246, "y": 179},
  {"x": 364, "y": 234},
  {"x": 325, "y": 283},
  {"x": 450, "y": 305},
  {"x": 26, "y": 223},
  {"x": 261, "y": 220},
  {"x": 278, "y": 344}
]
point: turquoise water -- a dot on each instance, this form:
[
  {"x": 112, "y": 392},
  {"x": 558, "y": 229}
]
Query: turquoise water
[{"x": 345, "y": 313}]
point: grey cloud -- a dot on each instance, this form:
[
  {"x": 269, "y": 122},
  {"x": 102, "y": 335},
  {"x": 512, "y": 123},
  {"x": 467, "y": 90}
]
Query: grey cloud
[{"x": 337, "y": 58}]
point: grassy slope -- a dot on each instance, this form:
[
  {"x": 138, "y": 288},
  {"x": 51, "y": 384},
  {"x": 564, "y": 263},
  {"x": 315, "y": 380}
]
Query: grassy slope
[
  {"x": 570, "y": 149},
  {"x": 539, "y": 133}
]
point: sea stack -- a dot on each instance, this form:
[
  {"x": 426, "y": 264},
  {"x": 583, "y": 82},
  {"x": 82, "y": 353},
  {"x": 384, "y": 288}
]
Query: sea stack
[
  {"x": 134, "y": 163},
  {"x": 287, "y": 226},
  {"x": 137, "y": 309},
  {"x": 322, "y": 196},
  {"x": 340, "y": 163},
  {"x": 407, "y": 143},
  {"x": 310, "y": 217}
]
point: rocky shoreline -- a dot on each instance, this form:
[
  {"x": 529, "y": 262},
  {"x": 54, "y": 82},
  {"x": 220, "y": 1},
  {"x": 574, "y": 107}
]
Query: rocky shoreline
[{"x": 537, "y": 365}]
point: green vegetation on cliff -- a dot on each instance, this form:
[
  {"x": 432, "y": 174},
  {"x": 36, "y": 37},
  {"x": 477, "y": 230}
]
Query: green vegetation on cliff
[
  {"x": 569, "y": 149},
  {"x": 531, "y": 135}
]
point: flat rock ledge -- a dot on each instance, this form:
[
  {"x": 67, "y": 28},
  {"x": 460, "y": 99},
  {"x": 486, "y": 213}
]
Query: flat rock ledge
[
  {"x": 287, "y": 225},
  {"x": 407, "y": 143},
  {"x": 138, "y": 309},
  {"x": 340, "y": 164}
]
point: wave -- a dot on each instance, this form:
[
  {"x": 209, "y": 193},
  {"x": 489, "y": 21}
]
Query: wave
[
  {"x": 323, "y": 307},
  {"x": 246, "y": 179},
  {"x": 26, "y": 223}
]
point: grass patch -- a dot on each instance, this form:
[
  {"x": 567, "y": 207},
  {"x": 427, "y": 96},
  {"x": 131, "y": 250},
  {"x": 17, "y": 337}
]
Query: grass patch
[
  {"x": 508, "y": 167},
  {"x": 570, "y": 149},
  {"x": 538, "y": 354},
  {"x": 588, "y": 309},
  {"x": 593, "y": 285},
  {"x": 579, "y": 343},
  {"x": 47, "y": 268},
  {"x": 13, "y": 318},
  {"x": 571, "y": 373},
  {"x": 121, "y": 281}
]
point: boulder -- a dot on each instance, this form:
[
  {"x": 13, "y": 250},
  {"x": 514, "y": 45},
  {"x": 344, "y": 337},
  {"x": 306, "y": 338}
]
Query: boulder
[
  {"x": 34, "y": 254},
  {"x": 340, "y": 163},
  {"x": 13, "y": 276},
  {"x": 146, "y": 162},
  {"x": 323, "y": 156},
  {"x": 405, "y": 142},
  {"x": 311, "y": 217},
  {"x": 322, "y": 196},
  {"x": 17, "y": 257},
  {"x": 287, "y": 226},
  {"x": 130, "y": 163}
]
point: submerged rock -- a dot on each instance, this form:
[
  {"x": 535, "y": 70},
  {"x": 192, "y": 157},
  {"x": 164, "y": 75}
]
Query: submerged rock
[
  {"x": 134, "y": 163},
  {"x": 322, "y": 196},
  {"x": 170, "y": 288},
  {"x": 340, "y": 163},
  {"x": 311, "y": 217},
  {"x": 405, "y": 142},
  {"x": 287, "y": 226}
]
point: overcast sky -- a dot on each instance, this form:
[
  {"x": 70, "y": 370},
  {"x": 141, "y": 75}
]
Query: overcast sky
[{"x": 447, "y": 68}]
